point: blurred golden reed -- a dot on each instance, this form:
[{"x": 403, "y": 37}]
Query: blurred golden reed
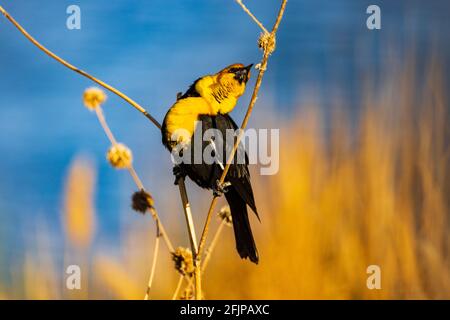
[
  {"x": 347, "y": 199},
  {"x": 351, "y": 192},
  {"x": 79, "y": 212}
]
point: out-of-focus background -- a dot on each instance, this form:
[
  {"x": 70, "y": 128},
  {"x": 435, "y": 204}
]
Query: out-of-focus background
[{"x": 364, "y": 148}]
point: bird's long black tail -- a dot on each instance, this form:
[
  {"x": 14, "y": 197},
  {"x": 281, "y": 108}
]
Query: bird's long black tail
[{"x": 245, "y": 244}]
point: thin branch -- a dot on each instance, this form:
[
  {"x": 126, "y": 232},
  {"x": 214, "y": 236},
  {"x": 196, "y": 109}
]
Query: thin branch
[
  {"x": 262, "y": 69},
  {"x": 162, "y": 230},
  {"x": 177, "y": 290},
  {"x": 155, "y": 259},
  {"x": 134, "y": 175},
  {"x": 279, "y": 17},
  {"x": 209, "y": 251},
  {"x": 79, "y": 71},
  {"x": 212, "y": 246},
  {"x": 252, "y": 16},
  {"x": 206, "y": 226},
  {"x": 188, "y": 216},
  {"x": 192, "y": 236},
  {"x": 104, "y": 124}
]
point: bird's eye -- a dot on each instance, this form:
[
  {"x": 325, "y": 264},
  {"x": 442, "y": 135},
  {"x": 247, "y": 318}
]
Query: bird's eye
[{"x": 232, "y": 70}]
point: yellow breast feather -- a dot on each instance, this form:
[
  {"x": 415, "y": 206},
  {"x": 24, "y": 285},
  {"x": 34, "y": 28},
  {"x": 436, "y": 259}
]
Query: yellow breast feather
[
  {"x": 221, "y": 94},
  {"x": 180, "y": 120}
]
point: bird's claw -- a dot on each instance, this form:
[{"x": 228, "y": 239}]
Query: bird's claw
[
  {"x": 179, "y": 173},
  {"x": 220, "y": 188}
]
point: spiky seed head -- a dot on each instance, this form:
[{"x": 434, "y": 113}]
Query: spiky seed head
[
  {"x": 141, "y": 201},
  {"x": 93, "y": 97},
  {"x": 119, "y": 156},
  {"x": 267, "y": 42},
  {"x": 184, "y": 262},
  {"x": 225, "y": 215}
]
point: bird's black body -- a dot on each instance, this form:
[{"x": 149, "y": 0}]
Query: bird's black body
[{"x": 239, "y": 193}]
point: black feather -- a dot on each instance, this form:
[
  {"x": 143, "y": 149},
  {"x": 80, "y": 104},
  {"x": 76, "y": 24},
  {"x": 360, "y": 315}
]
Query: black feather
[
  {"x": 240, "y": 193},
  {"x": 191, "y": 92}
]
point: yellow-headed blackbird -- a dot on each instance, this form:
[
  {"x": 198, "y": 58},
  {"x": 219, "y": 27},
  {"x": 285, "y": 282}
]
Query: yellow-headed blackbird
[{"x": 209, "y": 100}]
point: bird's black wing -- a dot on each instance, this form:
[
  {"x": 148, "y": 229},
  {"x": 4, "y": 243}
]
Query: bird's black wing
[
  {"x": 202, "y": 173},
  {"x": 238, "y": 174},
  {"x": 191, "y": 92},
  {"x": 206, "y": 175}
]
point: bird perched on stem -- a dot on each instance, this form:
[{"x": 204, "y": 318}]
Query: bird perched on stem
[{"x": 206, "y": 105}]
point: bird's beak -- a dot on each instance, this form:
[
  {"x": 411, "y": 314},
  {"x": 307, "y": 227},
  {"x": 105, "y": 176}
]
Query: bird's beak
[{"x": 243, "y": 74}]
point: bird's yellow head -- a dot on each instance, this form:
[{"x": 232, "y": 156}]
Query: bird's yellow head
[
  {"x": 235, "y": 74},
  {"x": 223, "y": 89}
]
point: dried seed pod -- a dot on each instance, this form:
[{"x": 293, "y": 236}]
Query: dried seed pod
[
  {"x": 225, "y": 215},
  {"x": 93, "y": 97},
  {"x": 184, "y": 262},
  {"x": 141, "y": 201},
  {"x": 119, "y": 156},
  {"x": 267, "y": 42}
]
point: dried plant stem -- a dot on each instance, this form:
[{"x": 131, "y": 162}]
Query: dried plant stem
[
  {"x": 104, "y": 124},
  {"x": 136, "y": 178},
  {"x": 197, "y": 280},
  {"x": 209, "y": 251},
  {"x": 99, "y": 114},
  {"x": 252, "y": 16},
  {"x": 162, "y": 230},
  {"x": 192, "y": 236},
  {"x": 206, "y": 227},
  {"x": 212, "y": 246},
  {"x": 79, "y": 71},
  {"x": 188, "y": 216},
  {"x": 112, "y": 139},
  {"x": 134, "y": 175},
  {"x": 177, "y": 290},
  {"x": 262, "y": 70},
  {"x": 154, "y": 260}
]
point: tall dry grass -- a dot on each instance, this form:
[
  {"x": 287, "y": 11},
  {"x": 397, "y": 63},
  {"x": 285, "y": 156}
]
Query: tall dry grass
[
  {"x": 352, "y": 198},
  {"x": 79, "y": 213}
]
